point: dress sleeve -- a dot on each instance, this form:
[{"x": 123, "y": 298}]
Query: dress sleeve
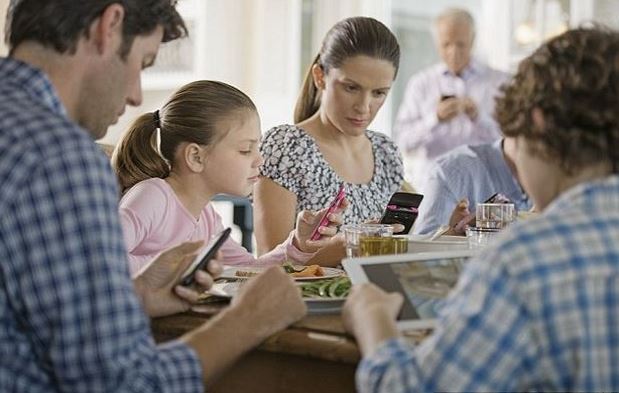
[
  {"x": 392, "y": 162},
  {"x": 284, "y": 150}
]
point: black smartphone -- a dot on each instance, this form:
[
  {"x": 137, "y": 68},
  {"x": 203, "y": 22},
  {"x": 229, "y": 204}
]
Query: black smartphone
[
  {"x": 447, "y": 97},
  {"x": 402, "y": 209},
  {"x": 204, "y": 257}
]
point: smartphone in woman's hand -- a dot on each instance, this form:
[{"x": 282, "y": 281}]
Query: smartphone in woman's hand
[{"x": 324, "y": 220}]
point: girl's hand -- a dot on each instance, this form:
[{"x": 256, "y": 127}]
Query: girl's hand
[{"x": 307, "y": 221}]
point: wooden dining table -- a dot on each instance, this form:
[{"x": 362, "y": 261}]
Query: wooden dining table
[{"x": 313, "y": 355}]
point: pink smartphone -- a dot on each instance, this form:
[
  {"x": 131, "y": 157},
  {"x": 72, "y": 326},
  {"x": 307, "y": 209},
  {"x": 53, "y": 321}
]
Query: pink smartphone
[{"x": 324, "y": 220}]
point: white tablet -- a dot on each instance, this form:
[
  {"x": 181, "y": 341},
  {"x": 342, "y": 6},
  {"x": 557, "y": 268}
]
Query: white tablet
[{"x": 424, "y": 279}]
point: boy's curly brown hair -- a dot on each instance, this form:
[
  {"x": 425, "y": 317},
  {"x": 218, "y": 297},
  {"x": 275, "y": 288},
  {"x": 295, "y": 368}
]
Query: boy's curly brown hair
[{"x": 574, "y": 80}]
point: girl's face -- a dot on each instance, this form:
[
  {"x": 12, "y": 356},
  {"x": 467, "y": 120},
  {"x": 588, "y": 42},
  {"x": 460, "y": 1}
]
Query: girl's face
[
  {"x": 353, "y": 93},
  {"x": 232, "y": 164}
]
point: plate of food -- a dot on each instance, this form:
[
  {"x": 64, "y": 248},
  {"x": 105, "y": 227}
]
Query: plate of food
[
  {"x": 321, "y": 296},
  {"x": 325, "y": 296},
  {"x": 298, "y": 272}
]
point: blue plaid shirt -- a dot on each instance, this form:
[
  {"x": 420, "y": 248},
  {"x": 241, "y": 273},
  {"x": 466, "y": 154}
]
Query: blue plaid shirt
[
  {"x": 538, "y": 310},
  {"x": 69, "y": 316},
  {"x": 475, "y": 172}
]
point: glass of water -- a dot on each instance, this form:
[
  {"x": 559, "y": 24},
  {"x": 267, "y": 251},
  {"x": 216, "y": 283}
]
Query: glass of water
[
  {"x": 352, "y": 233},
  {"x": 494, "y": 215}
]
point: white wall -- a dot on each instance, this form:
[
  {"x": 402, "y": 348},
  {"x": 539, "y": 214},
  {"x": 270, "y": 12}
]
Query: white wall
[
  {"x": 251, "y": 44},
  {"x": 255, "y": 45},
  {"x": 4, "y": 4}
]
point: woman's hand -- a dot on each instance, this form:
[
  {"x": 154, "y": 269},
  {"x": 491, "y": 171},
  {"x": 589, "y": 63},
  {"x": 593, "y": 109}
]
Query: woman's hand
[
  {"x": 157, "y": 284},
  {"x": 397, "y": 228},
  {"x": 307, "y": 221}
]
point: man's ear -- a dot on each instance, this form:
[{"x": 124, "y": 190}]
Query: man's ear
[
  {"x": 318, "y": 75},
  {"x": 106, "y": 32},
  {"x": 195, "y": 157}
]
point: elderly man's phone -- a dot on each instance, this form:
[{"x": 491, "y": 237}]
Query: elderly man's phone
[
  {"x": 402, "y": 208},
  {"x": 203, "y": 258},
  {"x": 335, "y": 204}
]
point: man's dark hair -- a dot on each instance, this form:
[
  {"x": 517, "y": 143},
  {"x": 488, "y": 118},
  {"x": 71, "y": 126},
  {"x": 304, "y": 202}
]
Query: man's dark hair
[
  {"x": 59, "y": 24},
  {"x": 574, "y": 80}
]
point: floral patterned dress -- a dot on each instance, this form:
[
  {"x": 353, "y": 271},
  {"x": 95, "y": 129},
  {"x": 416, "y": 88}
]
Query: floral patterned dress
[{"x": 293, "y": 160}]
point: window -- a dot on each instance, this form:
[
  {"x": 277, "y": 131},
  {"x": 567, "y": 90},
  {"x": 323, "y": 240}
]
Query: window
[{"x": 180, "y": 61}]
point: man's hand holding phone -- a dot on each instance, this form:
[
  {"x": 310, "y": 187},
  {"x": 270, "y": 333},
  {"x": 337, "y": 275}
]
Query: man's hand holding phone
[
  {"x": 157, "y": 284},
  {"x": 448, "y": 108}
]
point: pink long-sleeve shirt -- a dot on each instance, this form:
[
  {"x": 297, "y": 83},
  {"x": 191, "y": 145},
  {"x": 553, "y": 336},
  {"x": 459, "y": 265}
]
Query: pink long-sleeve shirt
[{"x": 154, "y": 219}]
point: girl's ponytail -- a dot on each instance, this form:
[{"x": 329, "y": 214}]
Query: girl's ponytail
[{"x": 136, "y": 156}]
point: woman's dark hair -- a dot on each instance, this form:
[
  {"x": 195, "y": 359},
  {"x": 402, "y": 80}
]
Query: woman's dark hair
[
  {"x": 574, "y": 80},
  {"x": 348, "y": 38},
  {"x": 59, "y": 24},
  {"x": 191, "y": 115}
]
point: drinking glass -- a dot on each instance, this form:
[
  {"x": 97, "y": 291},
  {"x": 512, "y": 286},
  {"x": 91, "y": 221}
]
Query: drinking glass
[
  {"x": 352, "y": 233},
  {"x": 400, "y": 244},
  {"x": 478, "y": 237},
  {"x": 376, "y": 239},
  {"x": 494, "y": 215}
]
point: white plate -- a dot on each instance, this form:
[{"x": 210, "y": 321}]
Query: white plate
[
  {"x": 421, "y": 243},
  {"x": 324, "y": 306},
  {"x": 314, "y": 305},
  {"x": 230, "y": 273}
]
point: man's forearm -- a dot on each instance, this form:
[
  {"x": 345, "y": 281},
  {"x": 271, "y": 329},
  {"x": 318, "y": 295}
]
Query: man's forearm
[
  {"x": 377, "y": 328},
  {"x": 224, "y": 339}
]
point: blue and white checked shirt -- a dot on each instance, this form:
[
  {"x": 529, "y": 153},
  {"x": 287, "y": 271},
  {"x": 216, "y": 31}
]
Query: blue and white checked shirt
[
  {"x": 538, "y": 310},
  {"x": 474, "y": 172},
  {"x": 69, "y": 316}
]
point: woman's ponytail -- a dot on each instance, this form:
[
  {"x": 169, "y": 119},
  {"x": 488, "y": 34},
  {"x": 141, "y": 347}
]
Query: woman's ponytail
[{"x": 309, "y": 99}]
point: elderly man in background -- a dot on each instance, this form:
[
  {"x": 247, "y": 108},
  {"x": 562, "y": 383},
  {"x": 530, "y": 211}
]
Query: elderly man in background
[{"x": 451, "y": 103}]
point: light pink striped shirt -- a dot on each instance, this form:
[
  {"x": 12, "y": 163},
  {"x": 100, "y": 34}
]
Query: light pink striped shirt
[
  {"x": 154, "y": 219},
  {"x": 417, "y": 125}
]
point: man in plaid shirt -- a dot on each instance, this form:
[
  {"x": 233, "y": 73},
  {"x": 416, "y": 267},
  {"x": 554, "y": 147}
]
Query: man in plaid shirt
[
  {"x": 539, "y": 309},
  {"x": 70, "y": 319}
]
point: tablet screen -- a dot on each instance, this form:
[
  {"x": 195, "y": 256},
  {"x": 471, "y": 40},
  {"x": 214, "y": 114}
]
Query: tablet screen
[{"x": 423, "y": 283}]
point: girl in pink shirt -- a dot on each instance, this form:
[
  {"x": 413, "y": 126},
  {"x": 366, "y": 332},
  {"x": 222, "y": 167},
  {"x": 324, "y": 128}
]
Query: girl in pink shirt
[{"x": 171, "y": 163}]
